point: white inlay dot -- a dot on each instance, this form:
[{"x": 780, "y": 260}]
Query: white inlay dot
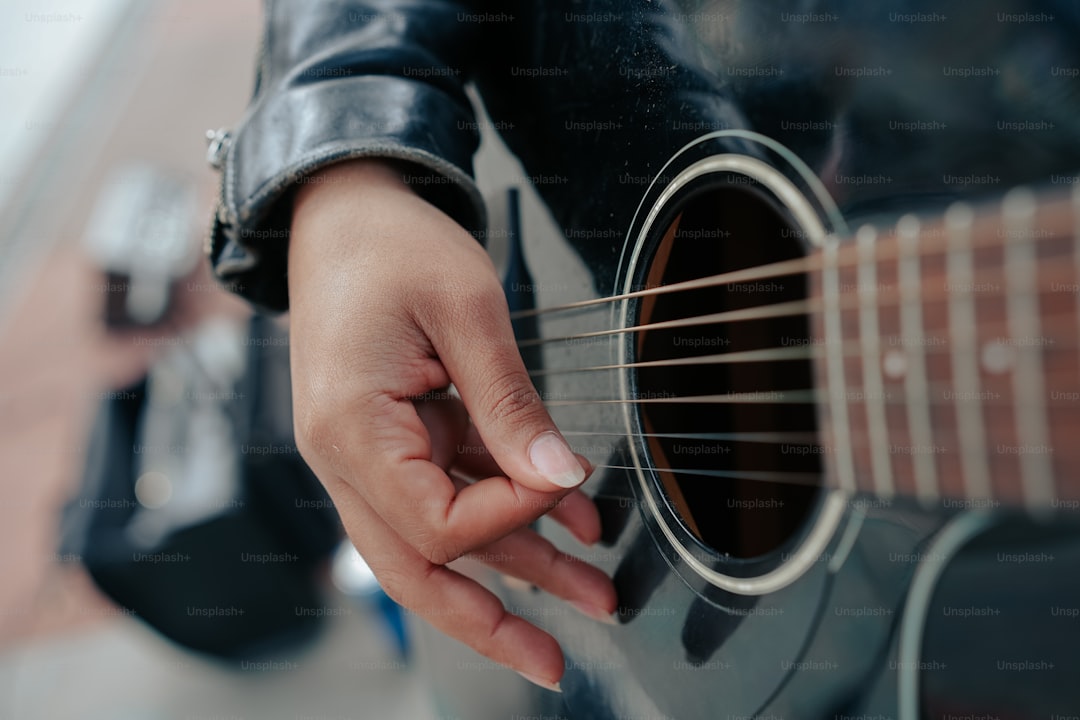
[
  {"x": 997, "y": 357},
  {"x": 894, "y": 364}
]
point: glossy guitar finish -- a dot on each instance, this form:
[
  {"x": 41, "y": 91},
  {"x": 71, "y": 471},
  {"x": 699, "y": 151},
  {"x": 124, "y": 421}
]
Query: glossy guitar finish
[{"x": 826, "y": 599}]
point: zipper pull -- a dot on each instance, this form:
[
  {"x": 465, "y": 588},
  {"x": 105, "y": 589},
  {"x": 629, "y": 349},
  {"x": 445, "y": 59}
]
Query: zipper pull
[{"x": 217, "y": 145}]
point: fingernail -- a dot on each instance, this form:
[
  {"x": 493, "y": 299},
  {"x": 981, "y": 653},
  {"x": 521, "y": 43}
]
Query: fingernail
[
  {"x": 552, "y": 458},
  {"x": 594, "y": 612},
  {"x": 587, "y": 542},
  {"x": 513, "y": 583},
  {"x": 547, "y": 685}
]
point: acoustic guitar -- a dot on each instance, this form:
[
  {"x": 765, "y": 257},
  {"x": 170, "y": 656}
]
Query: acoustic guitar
[
  {"x": 837, "y": 466},
  {"x": 835, "y": 450}
]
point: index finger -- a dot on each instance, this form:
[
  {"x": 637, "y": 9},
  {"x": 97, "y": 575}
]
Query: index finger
[
  {"x": 389, "y": 465},
  {"x": 454, "y": 604}
]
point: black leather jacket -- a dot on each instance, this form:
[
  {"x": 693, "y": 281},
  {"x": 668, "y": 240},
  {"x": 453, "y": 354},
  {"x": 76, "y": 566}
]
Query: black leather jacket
[{"x": 594, "y": 95}]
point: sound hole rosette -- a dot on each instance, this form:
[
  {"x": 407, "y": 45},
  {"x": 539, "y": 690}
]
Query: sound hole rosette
[{"x": 708, "y": 165}]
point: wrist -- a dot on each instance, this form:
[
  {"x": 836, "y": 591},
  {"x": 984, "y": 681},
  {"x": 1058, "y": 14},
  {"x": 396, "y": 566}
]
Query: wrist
[{"x": 348, "y": 175}]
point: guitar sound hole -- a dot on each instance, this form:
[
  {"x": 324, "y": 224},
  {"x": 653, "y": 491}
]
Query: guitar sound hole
[{"x": 735, "y": 510}]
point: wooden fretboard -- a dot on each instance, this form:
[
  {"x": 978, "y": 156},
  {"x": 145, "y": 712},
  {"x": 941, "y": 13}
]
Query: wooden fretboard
[{"x": 948, "y": 355}]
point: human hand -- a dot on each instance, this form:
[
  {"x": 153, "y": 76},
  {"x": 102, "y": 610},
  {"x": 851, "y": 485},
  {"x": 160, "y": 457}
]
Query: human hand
[{"x": 391, "y": 301}]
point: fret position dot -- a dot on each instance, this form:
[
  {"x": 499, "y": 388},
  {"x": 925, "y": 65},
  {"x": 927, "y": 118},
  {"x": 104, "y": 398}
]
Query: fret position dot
[
  {"x": 997, "y": 357},
  {"x": 894, "y": 364}
]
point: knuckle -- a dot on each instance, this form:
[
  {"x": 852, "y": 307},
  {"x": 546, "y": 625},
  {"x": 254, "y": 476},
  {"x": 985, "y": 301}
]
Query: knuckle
[
  {"x": 437, "y": 551},
  {"x": 552, "y": 558},
  {"x": 314, "y": 434},
  {"x": 395, "y": 584},
  {"x": 313, "y": 427},
  {"x": 460, "y": 303},
  {"x": 482, "y": 297},
  {"x": 326, "y": 423},
  {"x": 479, "y": 307},
  {"x": 511, "y": 396}
]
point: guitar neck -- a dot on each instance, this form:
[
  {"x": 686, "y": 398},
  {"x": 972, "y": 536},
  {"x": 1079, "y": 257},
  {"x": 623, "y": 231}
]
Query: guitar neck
[{"x": 949, "y": 355}]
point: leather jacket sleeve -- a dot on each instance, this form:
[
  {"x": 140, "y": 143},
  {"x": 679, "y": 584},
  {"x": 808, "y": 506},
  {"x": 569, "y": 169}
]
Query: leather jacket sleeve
[
  {"x": 586, "y": 95},
  {"x": 340, "y": 79},
  {"x": 593, "y": 97}
]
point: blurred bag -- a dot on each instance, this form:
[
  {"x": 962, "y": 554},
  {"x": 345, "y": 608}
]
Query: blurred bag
[{"x": 196, "y": 511}]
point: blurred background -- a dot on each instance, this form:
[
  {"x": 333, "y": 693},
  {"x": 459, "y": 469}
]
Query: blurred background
[{"x": 101, "y": 100}]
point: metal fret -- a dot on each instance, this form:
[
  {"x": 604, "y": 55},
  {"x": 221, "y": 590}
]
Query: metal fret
[
  {"x": 916, "y": 387},
  {"x": 960, "y": 274},
  {"x": 1022, "y": 315},
  {"x": 834, "y": 353},
  {"x": 870, "y": 339},
  {"x": 1075, "y": 230}
]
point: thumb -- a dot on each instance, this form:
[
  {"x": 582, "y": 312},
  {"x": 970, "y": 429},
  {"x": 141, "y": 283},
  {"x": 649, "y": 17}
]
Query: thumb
[{"x": 480, "y": 355}]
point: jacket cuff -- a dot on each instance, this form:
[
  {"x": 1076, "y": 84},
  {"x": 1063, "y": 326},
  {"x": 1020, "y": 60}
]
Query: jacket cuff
[{"x": 289, "y": 135}]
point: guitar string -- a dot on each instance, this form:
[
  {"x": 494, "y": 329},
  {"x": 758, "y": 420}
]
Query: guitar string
[
  {"x": 945, "y": 436},
  {"x": 764, "y": 476},
  {"x": 804, "y": 351},
  {"x": 888, "y": 249},
  {"x": 759, "y": 272},
  {"x": 795, "y": 438},
  {"x": 802, "y": 396},
  {"x": 780, "y": 354},
  {"x": 775, "y": 310},
  {"x": 811, "y": 350},
  {"x": 767, "y": 354},
  {"x": 808, "y": 396},
  {"x": 887, "y": 300}
]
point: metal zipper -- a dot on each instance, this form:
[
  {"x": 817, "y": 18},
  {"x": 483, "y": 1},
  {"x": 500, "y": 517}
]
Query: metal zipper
[{"x": 217, "y": 146}]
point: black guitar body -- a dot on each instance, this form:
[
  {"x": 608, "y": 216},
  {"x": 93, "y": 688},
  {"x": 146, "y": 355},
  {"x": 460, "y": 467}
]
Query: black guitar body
[
  {"x": 743, "y": 597},
  {"x": 906, "y": 612},
  {"x": 995, "y": 636}
]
